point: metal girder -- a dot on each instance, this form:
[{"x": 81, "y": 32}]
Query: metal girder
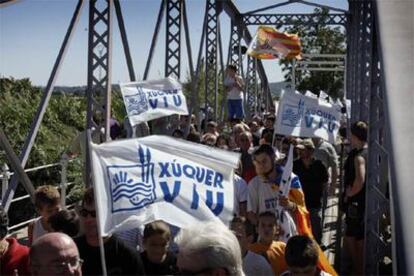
[
  {"x": 124, "y": 38},
  {"x": 295, "y": 2},
  {"x": 173, "y": 39},
  {"x": 352, "y": 66},
  {"x": 359, "y": 40},
  {"x": 47, "y": 93},
  {"x": 211, "y": 48},
  {"x": 234, "y": 52},
  {"x": 368, "y": 105},
  {"x": 394, "y": 23},
  {"x": 251, "y": 87},
  {"x": 377, "y": 203},
  {"x": 15, "y": 163},
  {"x": 292, "y": 19},
  {"x": 99, "y": 70},
  {"x": 366, "y": 63}
]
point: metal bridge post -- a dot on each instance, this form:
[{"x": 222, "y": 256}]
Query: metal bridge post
[
  {"x": 234, "y": 52},
  {"x": 99, "y": 72},
  {"x": 251, "y": 88},
  {"x": 64, "y": 160},
  {"x": 211, "y": 59},
  {"x": 5, "y": 176},
  {"x": 173, "y": 39},
  {"x": 377, "y": 214}
]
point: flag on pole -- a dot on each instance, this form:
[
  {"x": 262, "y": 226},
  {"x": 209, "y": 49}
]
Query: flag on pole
[
  {"x": 301, "y": 214},
  {"x": 141, "y": 180},
  {"x": 268, "y": 43}
]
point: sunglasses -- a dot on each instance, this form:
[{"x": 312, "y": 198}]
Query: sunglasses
[{"x": 84, "y": 213}]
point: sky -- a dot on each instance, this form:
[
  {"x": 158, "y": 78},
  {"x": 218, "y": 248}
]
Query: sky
[{"x": 32, "y": 31}]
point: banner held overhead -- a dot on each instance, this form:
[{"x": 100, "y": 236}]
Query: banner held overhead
[
  {"x": 148, "y": 100},
  {"x": 302, "y": 116},
  {"x": 157, "y": 177}
]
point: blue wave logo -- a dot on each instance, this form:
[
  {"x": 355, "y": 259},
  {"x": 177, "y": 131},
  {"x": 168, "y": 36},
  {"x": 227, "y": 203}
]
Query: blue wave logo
[
  {"x": 137, "y": 103},
  {"x": 292, "y": 115},
  {"x": 132, "y": 187}
]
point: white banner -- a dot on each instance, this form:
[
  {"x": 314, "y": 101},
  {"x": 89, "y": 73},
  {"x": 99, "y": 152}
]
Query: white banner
[
  {"x": 148, "y": 100},
  {"x": 304, "y": 116},
  {"x": 158, "y": 177}
]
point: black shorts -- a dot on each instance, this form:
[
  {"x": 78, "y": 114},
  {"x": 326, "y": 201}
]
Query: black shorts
[{"x": 355, "y": 223}]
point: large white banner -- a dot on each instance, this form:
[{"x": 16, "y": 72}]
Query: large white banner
[
  {"x": 303, "y": 116},
  {"x": 154, "y": 99},
  {"x": 158, "y": 177}
]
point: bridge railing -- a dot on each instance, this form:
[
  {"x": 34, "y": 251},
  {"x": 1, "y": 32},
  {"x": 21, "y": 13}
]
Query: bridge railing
[{"x": 63, "y": 163}]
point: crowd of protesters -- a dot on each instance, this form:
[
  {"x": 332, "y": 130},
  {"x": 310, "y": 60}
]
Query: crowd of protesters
[{"x": 66, "y": 242}]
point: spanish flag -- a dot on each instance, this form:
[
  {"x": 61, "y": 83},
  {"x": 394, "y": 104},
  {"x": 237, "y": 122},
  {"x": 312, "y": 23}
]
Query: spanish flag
[
  {"x": 301, "y": 214},
  {"x": 268, "y": 43}
]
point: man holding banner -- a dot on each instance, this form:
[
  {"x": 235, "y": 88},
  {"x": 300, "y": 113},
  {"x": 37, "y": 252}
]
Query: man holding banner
[
  {"x": 119, "y": 258},
  {"x": 264, "y": 191},
  {"x": 277, "y": 189}
]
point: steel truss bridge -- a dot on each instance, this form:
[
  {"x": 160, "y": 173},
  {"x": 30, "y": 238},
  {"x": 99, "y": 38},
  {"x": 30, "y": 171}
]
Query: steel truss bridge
[{"x": 379, "y": 70}]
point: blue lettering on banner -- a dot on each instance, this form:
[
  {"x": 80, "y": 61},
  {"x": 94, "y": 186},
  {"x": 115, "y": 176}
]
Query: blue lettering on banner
[
  {"x": 128, "y": 193},
  {"x": 177, "y": 100},
  {"x": 139, "y": 103},
  {"x": 164, "y": 169},
  {"x": 153, "y": 103},
  {"x": 196, "y": 198},
  {"x": 219, "y": 204},
  {"x": 308, "y": 121},
  {"x": 311, "y": 121},
  {"x": 132, "y": 187},
  {"x": 166, "y": 191},
  {"x": 201, "y": 175}
]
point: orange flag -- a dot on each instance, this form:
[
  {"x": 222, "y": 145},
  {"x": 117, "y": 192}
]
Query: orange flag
[
  {"x": 268, "y": 43},
  {"x": 301, "y": 215}
]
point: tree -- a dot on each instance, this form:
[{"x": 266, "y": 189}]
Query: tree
[
  {"x": 318, "y": 39},
  {"x": 65, "y": 115}
]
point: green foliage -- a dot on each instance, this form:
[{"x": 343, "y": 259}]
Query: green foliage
[
  {"x": 64, "y": 117},
  {"x": 318, "y": 39},
  {"x": 118, "y": 106}
]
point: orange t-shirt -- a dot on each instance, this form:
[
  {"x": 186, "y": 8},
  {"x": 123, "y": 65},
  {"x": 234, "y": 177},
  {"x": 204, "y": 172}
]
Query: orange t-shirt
[{"x": 274, "y": 253}]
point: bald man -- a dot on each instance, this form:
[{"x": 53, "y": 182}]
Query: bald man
[{"x": 55, "y": 254}]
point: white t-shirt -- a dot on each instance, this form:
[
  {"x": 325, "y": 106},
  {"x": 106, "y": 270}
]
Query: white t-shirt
[
  {"x": 38, "y": 229},
  {"x": 264, "y": 197},
  {"x": 234, "y": 93},
  {"x": 255, "y": 264},
  {"x": 240, "y": 192}
]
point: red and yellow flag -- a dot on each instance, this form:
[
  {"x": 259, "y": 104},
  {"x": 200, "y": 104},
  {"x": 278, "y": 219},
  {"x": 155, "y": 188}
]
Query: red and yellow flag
[
  {"x": 301, "y": 215},
  {"x": 268, "y": 43}
]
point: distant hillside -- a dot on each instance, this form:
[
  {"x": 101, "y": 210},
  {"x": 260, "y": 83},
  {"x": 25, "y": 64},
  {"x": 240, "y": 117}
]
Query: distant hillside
[{"x": 76, "y": 90}]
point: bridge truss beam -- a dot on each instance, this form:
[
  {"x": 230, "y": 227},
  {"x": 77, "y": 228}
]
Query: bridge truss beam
[
  {"x": 293, "y": 19},
  {"x": 366, "y": 92},
  {"x": 173, "y": 39}
]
